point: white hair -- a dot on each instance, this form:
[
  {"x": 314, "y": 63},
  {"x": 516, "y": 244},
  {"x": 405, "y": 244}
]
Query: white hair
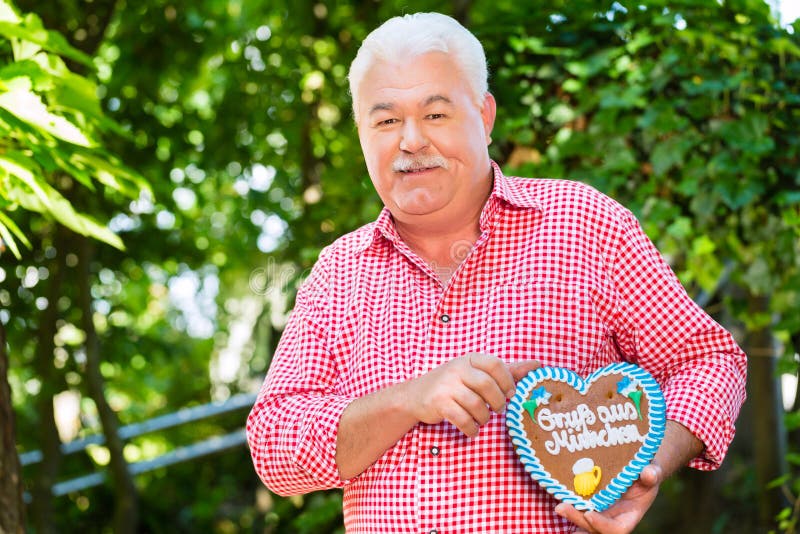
[{"x": 416, "y": 34}]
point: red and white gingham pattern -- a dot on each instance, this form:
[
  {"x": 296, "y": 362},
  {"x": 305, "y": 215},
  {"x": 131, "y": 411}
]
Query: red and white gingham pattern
[{"x": 561, "y": 274}]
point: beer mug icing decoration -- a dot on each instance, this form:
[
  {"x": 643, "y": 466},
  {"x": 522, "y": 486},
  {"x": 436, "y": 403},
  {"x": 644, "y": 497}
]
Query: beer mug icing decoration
[
  {"x": 587, "y": 476},
  {"x": 586, "y": 441}
]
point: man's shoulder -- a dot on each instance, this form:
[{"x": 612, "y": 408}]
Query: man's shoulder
[
  {"x": 554, "y": 193},
  {"x": 546, "y": 189},
  {"x": 338, "y": 258}
]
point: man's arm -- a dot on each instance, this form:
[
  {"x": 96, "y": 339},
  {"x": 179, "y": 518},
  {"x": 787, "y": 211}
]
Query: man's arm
[
  {"x": 369, "y": 426},
  {"x": 701, "y": 369},
  {"x": 677, "y": 448},
  {"x": 463, "y": 391},
  {"x": 291, "y": 430},
  {"x": 698, "y": 364}
]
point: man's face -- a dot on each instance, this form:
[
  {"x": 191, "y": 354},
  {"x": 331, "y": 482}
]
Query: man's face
[{"x": 425, "y": 139}]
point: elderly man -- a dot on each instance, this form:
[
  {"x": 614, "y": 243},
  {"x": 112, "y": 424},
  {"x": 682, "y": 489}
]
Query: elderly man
[{"x": 407, "y": 338}]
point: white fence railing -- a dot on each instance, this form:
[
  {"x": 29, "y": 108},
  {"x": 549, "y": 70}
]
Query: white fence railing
[{"x": 181, "y": 454}]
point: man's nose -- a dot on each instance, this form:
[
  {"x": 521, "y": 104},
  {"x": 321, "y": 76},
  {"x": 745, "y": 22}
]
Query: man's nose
[{"x": 413, "y": 138}]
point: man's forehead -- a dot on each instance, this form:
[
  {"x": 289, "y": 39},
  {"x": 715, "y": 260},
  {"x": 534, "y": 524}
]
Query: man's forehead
[{"x": 391, "y": 105}]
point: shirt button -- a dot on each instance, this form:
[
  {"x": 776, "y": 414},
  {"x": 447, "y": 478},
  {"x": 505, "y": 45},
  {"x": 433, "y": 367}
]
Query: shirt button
[
  {"x": 434, "y": 452},
  {"x": 445, "y": 318}
]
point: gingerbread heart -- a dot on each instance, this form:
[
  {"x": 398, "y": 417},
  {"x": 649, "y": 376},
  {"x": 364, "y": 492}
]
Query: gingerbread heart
[{"x": 586, "y": 441}]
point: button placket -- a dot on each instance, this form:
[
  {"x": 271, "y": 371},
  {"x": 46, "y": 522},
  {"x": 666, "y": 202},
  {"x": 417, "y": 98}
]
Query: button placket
[{"x": 432, "y": 480}]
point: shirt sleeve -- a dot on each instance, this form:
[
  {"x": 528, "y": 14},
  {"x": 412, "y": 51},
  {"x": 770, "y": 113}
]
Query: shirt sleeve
[
  {"x": 701, "y": 369},
  {"x": 292, "y": 427}
]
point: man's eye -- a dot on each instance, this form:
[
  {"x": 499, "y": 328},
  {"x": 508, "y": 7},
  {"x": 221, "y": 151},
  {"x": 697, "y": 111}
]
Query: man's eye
[
  {"x": 436, "y": 116},
  {"x": 387, "y": 122}
]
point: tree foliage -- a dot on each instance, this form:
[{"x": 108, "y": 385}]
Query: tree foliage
[
  {"x": 238, "y": 115},
  {"x": 50, "y": 124}
]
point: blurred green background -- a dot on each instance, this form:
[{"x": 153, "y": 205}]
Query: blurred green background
[{"x": 170, "y": 169}]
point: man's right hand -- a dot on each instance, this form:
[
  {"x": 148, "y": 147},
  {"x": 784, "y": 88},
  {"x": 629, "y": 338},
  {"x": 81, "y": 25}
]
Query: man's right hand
[{"x": 465, "y": 390}]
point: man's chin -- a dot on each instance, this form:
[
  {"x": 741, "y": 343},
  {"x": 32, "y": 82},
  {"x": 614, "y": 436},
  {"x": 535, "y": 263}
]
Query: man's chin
[
  {"x": 416, "y": 209},
  {"x": 421, "y": 200}
]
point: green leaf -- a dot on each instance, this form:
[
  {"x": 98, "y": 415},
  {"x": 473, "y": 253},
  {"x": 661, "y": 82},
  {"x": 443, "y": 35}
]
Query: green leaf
[
  {"x": 572, "y": 85},
  {"x": 59, "y": 159},
  {"x": 783, "y": 45},
  {"x": 641, "y": 39},
  {"x": 680, "y": 228},
  {"x": 622, "y": 97},
  {"x": 594, "y": 64},
  {"x": 748, "y": 134},
  {"x": 758, "y": 277},
  {"x": 112, "y": 173},
  {"x": 30, "y": 29},
  {"x": 9, "y": 230},
  {"x": 537, "y": 46},
  {"x": 661, "y": 118},
  {"x": 703, "y": 245},
  {"x": 8, "y": 13},
  {"x": 670, "y": 153},
  {"x": 84, "y": 224},
  {"x": 20, "y": 101},
  {"x": 62, "y": 211},
  {"x": 73, "y": 93},
  {"x": 736, "y": 192},
  {"x": 12, "y": 226},
  {"x": 778, "y": 482},
  {"x": 36, "y": 195},
  {"x": 41, "y": 80},
  {"x": 561, "y": 114},
  {"x": 16, "y": 165}
]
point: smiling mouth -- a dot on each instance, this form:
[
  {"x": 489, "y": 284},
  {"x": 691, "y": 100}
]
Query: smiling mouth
[{"x": 416, "y": 170}]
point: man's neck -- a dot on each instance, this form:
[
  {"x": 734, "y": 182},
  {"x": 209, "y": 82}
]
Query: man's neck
[
  {"x": 443, "y": 248},
  {"x": 444, "y": 240}
]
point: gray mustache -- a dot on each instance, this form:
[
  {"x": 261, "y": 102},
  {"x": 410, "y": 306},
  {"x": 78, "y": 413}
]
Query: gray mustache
[{"x": 407, "y": 163}]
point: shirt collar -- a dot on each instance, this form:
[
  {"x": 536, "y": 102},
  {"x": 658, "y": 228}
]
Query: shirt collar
[
  {"x": 512, "y": 191},
  {"x": 504, "y": 192}
]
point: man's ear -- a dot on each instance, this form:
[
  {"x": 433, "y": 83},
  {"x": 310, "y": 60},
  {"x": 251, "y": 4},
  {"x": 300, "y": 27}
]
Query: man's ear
[{"x": 488, "y": 113}]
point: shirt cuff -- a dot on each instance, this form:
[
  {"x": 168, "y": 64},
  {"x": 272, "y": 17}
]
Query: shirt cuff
[
  {"x": 316, "y": 451},
  {"x": 703, "y": 417}
]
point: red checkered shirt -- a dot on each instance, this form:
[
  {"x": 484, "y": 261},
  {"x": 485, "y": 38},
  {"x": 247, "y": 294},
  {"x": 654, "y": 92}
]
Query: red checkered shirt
[{"x": 561, "y": 274}]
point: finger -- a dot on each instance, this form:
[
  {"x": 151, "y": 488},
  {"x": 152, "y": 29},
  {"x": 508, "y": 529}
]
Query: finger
[
  {"x": 567, "y": 511},
  {"x": 483, "y": 385},
  {"x": 496, "y": 369},
  {"x": 474, "y": 405},
  {"x": 651, "y": 475},
  {"x": 600, "y": 523},
  {"x": 461, "y": 419},
  {"x": 520, "y": 369}
]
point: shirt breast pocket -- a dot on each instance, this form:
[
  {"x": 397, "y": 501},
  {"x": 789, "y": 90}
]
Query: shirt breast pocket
[{"x": 558, "y": 325}]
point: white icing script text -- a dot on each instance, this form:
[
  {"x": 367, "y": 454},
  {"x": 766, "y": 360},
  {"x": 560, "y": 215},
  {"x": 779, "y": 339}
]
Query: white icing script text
[{"x": 571, "y": 430}]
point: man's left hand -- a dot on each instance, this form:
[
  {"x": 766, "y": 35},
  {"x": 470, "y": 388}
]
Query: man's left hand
[{"x": 623, "y": 516}]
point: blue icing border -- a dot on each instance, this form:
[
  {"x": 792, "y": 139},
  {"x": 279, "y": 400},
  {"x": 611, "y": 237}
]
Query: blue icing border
[{"x": 604, "y": 498}]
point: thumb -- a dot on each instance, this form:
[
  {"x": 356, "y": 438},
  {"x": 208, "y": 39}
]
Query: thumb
[
  {"x": 651, "y": 475},
  {"x": 520, "y": 369}
]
